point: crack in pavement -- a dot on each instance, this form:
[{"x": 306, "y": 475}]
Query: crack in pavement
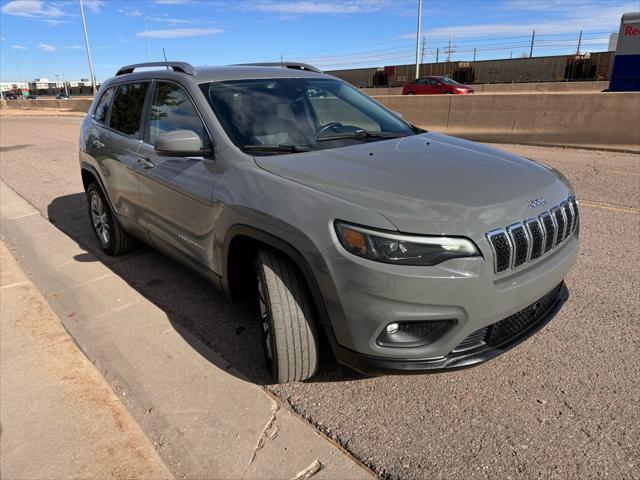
[{"x": 260, "y": 443}]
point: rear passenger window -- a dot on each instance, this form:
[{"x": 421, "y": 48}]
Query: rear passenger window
[
  {"x": 172, "y": 110},
  {"x": 127, "y": 108},
  {"x": 100, "y": 113}
]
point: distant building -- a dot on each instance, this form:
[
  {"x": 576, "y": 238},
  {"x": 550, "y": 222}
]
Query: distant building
[
  {"x": 613, "y": 41},
  {"x": 11, "y": 86}
]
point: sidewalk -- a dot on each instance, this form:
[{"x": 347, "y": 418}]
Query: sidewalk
[
  {"x": 59, "y": 417},
  {"x": 202, "y": 415}
]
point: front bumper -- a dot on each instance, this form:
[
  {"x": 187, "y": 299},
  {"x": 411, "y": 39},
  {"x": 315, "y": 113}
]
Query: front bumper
[
  {"x": 371, "y": 365},
  {"x": 363, "y": 297}
]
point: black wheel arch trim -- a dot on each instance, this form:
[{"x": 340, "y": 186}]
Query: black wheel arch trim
[
  {"x": 94, "y": 171},
  {"x": 294, "y": 254}
]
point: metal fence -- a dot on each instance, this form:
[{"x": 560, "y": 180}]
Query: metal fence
[{"x": 594, "y": 66}]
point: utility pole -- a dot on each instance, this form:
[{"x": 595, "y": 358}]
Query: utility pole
[
  {"x": 579, "y": 42},
  {"x": 474, "y": 54},
  {"x": 422, "y": 53},
  {"x": 533, "y": 37},
  {"x": 449, "y": 50},
  {"x": 57, "y": 80},
  {"x": 146, "y": 35},
  {"x": 418, "y": 39},
  {"x": 437, "y": 54},
  {"x": 86, "y": 42}
]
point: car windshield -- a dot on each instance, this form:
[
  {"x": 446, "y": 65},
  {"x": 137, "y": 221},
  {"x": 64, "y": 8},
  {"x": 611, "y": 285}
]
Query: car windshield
[
  {"x": 291, "y": 115},
  {"x": 451, "y": 81}
]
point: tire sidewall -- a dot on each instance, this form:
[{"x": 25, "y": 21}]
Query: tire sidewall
[
  {"x": 273, "y": 361},
  {"x": 94, "y": 189}
]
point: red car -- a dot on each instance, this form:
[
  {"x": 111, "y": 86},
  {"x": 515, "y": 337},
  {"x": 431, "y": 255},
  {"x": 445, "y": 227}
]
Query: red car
[{"x": 434, "y": 86}]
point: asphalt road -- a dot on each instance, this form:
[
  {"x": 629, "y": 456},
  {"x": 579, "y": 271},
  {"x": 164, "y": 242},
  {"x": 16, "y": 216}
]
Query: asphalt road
[{"x": 565, "y": 404}]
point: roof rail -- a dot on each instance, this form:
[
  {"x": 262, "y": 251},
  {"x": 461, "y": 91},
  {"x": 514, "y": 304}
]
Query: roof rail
[
  {"x": 181, "y": 67},
  {"x": 292, "y": 65}
]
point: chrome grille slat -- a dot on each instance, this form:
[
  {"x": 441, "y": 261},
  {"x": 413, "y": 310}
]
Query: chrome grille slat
[
  {"x": 536, "y": 238},
  {"x": 502, "y": 250},
  {"x": 568, "y": 213},
  {"x": 561, "y": 224},
  {"x": 550, "y": 230},
  {"x": 524, "y": 242},
  {"x": 520, "y": 243}
]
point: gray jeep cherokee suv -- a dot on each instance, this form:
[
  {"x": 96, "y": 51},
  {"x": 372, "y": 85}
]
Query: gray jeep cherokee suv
[{"x": 411, "y": 250}]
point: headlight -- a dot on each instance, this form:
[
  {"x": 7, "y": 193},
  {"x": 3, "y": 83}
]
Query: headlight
[{"x": 402, "y": 249}]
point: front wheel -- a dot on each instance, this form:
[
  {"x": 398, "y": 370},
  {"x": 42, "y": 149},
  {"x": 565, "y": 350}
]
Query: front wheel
[{"x": 286, "y": 315}]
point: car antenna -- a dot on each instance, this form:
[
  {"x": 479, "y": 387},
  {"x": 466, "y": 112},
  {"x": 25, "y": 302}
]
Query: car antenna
[{"x": 165, "y": 57}]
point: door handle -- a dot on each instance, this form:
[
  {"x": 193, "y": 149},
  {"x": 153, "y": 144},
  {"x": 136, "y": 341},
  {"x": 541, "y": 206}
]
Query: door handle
[
  {"x": 145, "y": 162},
  {"x": 97, "y": 143}
]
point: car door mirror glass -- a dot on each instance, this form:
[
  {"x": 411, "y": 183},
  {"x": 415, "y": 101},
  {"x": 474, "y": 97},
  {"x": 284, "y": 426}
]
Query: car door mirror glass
[{"x": 180, "y": 143}]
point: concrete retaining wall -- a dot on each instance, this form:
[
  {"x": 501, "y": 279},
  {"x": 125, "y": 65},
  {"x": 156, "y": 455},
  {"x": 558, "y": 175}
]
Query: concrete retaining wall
[
  {"x": 552, "y": 87},
  {"x": 72, "y": 105},
  {"x": 602, "y": 120},
  {"x": 582, "y": 119}
]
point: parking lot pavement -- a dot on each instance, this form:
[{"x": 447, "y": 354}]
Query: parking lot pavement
[
  {"x": 59, "y": 417},
  {"x": 564, "y": 404}
]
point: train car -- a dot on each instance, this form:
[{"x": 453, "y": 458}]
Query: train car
[{"x": 625, "y": 76}]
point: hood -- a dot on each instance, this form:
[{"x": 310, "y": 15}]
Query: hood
[{"x": 428, "y": 183}]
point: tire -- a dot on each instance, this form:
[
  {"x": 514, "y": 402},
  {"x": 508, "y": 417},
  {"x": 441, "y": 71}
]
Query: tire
[
  {"x": 448, "y": 93},
  {"x": 286, "y": 313},
  {"x": 410, "y": 93},
  {"x": 112, "y": 237}
]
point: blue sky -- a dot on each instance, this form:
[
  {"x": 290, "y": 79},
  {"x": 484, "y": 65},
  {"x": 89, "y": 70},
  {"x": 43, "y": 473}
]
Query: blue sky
[{"x": 39, "y": 38}]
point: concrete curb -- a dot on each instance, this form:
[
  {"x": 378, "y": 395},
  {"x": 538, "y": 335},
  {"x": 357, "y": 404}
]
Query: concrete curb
[{"x": 205, "y": 419}]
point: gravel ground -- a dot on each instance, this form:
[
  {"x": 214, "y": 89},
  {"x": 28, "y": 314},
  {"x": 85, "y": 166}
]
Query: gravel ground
[{"x": 564, "y": 404}]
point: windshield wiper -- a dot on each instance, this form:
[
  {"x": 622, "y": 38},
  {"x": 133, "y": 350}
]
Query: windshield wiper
[
  {"x": 279, "y": 148},
  {"x": 362, "y": 133}
]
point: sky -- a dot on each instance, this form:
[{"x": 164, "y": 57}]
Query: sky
[{"x": 39, "y": 38}]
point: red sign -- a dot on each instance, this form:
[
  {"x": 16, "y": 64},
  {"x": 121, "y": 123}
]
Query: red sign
[{"x": 631, "y": 30}]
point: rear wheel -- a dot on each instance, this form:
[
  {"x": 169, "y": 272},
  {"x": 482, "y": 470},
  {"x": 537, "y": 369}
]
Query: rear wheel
[
  {"x": 110, "y": 234},
  {"x": 286, "y": 316},
  {"x": 410, "y": 93}
]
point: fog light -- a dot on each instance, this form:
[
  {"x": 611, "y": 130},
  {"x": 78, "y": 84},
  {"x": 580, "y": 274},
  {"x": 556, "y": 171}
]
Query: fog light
[{"x": 392, "y": 328}]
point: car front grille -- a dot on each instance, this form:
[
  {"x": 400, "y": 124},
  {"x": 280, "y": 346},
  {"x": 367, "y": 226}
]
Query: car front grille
[
  {"x": 521, "y": 243},
  {"x": 500, "y": 332}
]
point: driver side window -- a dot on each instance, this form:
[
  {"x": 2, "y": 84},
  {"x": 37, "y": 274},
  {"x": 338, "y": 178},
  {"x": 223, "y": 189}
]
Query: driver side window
[
  {"x": 330, "y": 108},
  {"x": 171, "y": 110}
]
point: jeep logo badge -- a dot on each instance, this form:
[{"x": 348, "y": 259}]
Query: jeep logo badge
[{"x": 537, "y": 202}]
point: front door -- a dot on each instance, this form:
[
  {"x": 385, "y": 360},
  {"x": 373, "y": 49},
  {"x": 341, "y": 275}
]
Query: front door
[{"x": 176, "y": 191}]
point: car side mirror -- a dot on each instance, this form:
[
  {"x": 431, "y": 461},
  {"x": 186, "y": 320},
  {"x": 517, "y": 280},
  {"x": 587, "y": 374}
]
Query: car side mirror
[{"x": 180, "y": 143}]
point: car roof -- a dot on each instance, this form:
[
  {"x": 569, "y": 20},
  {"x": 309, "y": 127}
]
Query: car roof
[{"x": 213, "y": 74}]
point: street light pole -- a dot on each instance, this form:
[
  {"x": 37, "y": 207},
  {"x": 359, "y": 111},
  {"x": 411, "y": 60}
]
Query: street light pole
[
  {"x": 86, "y": 43},
  {"x": 418, "y": 39}
]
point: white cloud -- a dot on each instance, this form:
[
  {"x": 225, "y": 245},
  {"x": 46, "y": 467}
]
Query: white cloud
[
  {"x": 173, "y": 21},
  {"x": 19, "y": 47},
  {"x": 94, "y": 6},
  {"x": 300, "y": 7},
  {"x": 180, "y": 32},
  {"x": 569, "y": 16},
  {"x": 32, "y": 8},
  {"x": 74, "y": 47},
  {"x": 2, "y": 38},
  {"x": 47, "y": 47}
]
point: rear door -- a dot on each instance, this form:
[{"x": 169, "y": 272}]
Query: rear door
[
  {"x": 115, "y": 138},
  {"x": 176, "y": 191}
]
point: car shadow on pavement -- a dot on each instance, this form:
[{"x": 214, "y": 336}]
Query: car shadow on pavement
[{"x": 193, "y": 305}]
